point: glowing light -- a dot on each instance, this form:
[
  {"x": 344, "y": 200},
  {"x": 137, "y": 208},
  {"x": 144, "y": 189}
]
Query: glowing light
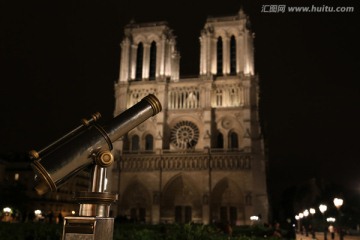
[
  {"x": 7, "y": 210},
  {"x": 312, "y": 211},
  {"x": 37, "y": 212},
  {"x": 338, "y": 202},
  {"x": 322, "y": 208},
  {"x": 254, "y": 218},
  {"x": 306, "y": 213}
]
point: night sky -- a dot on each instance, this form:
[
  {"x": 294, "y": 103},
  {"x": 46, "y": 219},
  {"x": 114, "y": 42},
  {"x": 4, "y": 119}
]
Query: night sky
[{"x": 59, "y": 61}]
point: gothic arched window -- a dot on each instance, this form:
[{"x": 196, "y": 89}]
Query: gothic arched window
[
  {"x": 135, "y": 146},
  {"x": 233, "y": 140},
  {"x": 149, "y": 142},
  {"x": 219, "y": 56},
  {"x": 152, "y": 71},
  {"x": 139, "y": 61},
  {"x": 232, "y": 55},
  {"x": 220, "y": 141}
]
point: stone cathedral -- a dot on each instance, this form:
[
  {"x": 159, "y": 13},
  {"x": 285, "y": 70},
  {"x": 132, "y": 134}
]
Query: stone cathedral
[{"x": 201, "y": 159}]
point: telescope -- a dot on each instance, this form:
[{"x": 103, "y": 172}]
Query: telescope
[{"x": 88, "y": 145}]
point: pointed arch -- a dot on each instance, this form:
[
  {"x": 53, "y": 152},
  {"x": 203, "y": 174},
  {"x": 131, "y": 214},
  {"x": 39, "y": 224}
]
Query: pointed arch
[
  {"x": 135, "y": 143},
  {"x": 136, "y": 202},
  {"x": 149, "y": 142},
  {"x": 232, "y": 55},
  {"x": 233, "y": 140},
  {"x": 152, "y": 69},
  {"x": 139, "y": 61},
  {"x": 227, "y": 203},
  {"x": 220, "y": 140},
  {"x": 181, "y": 200},
  {"x": 219, "y": 56}
]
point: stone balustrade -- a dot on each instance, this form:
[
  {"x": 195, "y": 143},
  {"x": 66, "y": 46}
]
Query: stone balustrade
[{"x": 175, "y": 161}]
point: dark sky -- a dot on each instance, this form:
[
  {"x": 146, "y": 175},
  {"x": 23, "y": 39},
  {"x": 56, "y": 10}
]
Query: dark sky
[{"x": 59, "y": 61}]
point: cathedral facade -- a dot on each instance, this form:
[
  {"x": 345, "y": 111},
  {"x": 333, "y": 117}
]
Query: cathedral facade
[{"x": 201, "y": 159}]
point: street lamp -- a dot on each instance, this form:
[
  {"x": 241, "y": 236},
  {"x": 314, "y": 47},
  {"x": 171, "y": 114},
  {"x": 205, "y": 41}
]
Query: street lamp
[
  {"x": 7, "y": 214},
  {"x": 38, "y": 214},
  {"x": 311, "y": 227},
  {"x": 254, "y": 219},
  {"x": 306, "y": 213},
  {"x": 301, "y": 215},
  {"x": 298, "y": 220},
  {"x": 323, "y": 209},
  {"x": 338, "y": 202},
  {"x": 331, "y": 220}
]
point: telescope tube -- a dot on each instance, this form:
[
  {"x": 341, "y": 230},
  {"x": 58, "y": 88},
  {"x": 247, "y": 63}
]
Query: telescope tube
[{"x": 64, "y": 161}]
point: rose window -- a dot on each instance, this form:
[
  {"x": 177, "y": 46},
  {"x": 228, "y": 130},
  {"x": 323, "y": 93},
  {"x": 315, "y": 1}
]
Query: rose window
[{"x": 184, "y": 135}]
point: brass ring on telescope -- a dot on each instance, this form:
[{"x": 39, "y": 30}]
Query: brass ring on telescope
[
  {"x": 95, "y": 117},
  {"x": 154, "y": 102},
  {"x": 105, "y": 135}
]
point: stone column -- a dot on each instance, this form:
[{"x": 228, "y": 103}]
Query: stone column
[
  {"x": 125, "y": 60},
  {"x": 133, "y": 61},
  {"x": 226, "y": 55},
  {"x": 161, "y": 56},
  {"x": 240, "y": 53}
]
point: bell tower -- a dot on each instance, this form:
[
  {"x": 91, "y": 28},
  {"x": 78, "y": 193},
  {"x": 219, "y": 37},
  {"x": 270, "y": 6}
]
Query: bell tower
[
  {"x": 227, "y": 46},
  {"x": 148, "y": 52}
]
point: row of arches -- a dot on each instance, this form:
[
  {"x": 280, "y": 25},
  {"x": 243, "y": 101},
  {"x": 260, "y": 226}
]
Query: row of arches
[
  {"x": 137, "y": 144},
  {"x": 229, "y": 96},
  {"x": 140, "y": 61},
  {"x": 147, "y": 143},
  {"x": 184, "y": 98},
  {"x": 220, "y": 56},
  {"x": 182, "y": 202},
  {"x": 232, "y": 141},
  {"x": 152, "y": 59}
]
